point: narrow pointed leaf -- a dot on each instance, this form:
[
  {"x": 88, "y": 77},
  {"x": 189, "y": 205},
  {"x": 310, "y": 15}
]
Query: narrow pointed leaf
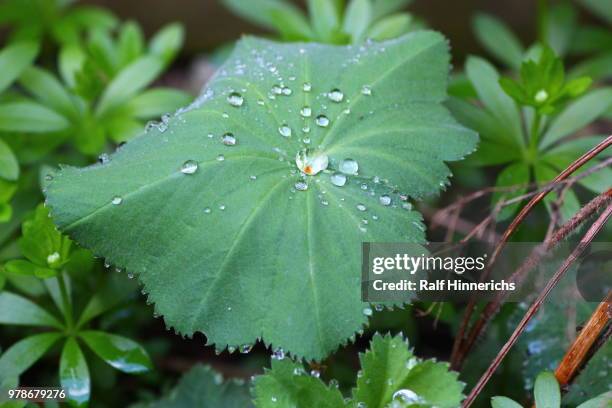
[
  {"x": 214, "y": 198},
  {"x": 13, "y": 59},
  {"x": 120, "y": 352},
  {"x": 9, "y": 167},
  {"x": 492, "y": 33},
  {"x": 30, "y": 117},
  {"x": 21, "y": 355},
  {"x": 18, "y": 310},
  {"x": 74, "y": 374}
]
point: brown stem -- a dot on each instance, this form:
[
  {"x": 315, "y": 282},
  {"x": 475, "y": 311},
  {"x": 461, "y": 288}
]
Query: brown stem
[
  {"x": 578, "y": 352},
  {"x": 533, "y": 309},
  {"x": 457, "y": 354}
]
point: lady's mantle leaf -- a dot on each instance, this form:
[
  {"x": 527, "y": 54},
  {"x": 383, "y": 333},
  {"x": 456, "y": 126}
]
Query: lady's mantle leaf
[{"x": 210, "y": 208}]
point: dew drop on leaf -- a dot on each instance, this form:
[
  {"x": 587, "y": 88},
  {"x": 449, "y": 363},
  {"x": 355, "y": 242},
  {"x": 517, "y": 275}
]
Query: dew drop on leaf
[
  {"x": 189, "y": 167},
  {"x": 117, "y": 200},
  {"x": 338, "y": 179},
  {"x": 104, "y": 158},
  {"x": 366, "y": 90},
  {"x": 367, "y": 311},
  {"x": 229, "y": 139},
  {"x": 246, "y": 348},
  {"x": 220, "y": 157},
  {"x": 349, "y": 166},
  {"x": 335, "y": 95},
  {"x": 235, "y": 99},
  {"x": 284, "y": 130},
  {"x": 407, "y": 396},
  {"x": 322, "y": 121},
  {"x": 278, "y": 354},
  {"x": 307, "y": 87},
  {"x": 361, "y": 207},
  {"x": 310, "y": 162},
  {"x": 306, "y": 112},
  {"x": 385, "y": 199},
  {"x": 207, "y": 210},
  {"x": 301, "y": 186}
]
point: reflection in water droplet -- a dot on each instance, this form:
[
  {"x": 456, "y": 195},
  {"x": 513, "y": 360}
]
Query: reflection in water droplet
[
  {"x": 407, "y": 397},
  {"x": 117, "y": 200},
  {"x": 229, "y": 139},
  {"x": 322, "y": 121},
  {"x": 287, "y": 91},
  {"x": 235, "y": 99},
  {"x": 301, "y": 186},
  {"x": 338, "y": 179},
  {"x": 307, "y": 87},
  {"x": 310, "y": 162},
  {"x": 278, "y": 354},
  {"x": 284, "y": 130},
  {"x": 306, "y": 112},
  {"x": 189, "y": 167},
  {"x": 246, "y": 348},
  {"x": 335, "y": 95},
  {"x": 385, "y": 199},
  {"x": 349, "y": 166}
]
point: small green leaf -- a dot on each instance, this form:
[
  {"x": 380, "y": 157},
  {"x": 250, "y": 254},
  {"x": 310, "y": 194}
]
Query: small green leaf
[
  {"x": 601, "y": 8},
  {"x": 546, "y": 391},
  {"x": 357, "y": 18},
  {"x": 598, "y": 402},
  {"x": 390, "y": 372},
  {"x": 561, "y": 27},
  {"x": 14, "y": 59},
  {"x": 167, "y": 42},
  {"x": 204, "y": 388},
  {"x": 485, "y": 80},
  {"x": 27, "y": 268},
  {"x": 261, "y": 11},
  {"x": 113, "y": 290},
  {"x": 70, "y": 61},
  {"x": 324, "y": 18},
  {"x": 286, "y": 384},
  {"x": 516, "y": 174},
  {"x": 491, "y": 33},
  {"x": 17, "y": 310},
  {"x": 30, "y": 117},
  {"x": 42, "y": 243},
  {"x": 74, "y": 374},
  {"x": 48, "y": 90},
  {"x": 578, "y": 114},
  {"x": 9, "y": 166},
  {"x": 390, "y": 27},
  {"x": 122, "y": 129},
  {"x": 21, "y": 355},
  {"x": 128, "y": 82},
  {"x": 381, "y": 8},
  {"x": 130, "y": 43},
  {"x": 91, "y": 17},
  {"x": 291, "y": 24},
  {"x": 121, "y": 353},
  {"x": 157, "y": 101},
  {"x": 503, "y": 402}
]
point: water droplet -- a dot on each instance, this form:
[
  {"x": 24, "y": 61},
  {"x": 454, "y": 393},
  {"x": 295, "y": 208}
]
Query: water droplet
[
  {"x": 117, "y": 200},
  {"x": 366, "y": 90},
  {"x": 315, "y": 373},
  {"x": 379, "y": 307},
  {"x": 338, "y": 179},
  {"x": 53, "y": 258},
  {"x": 310, "y": 162},
  {"x": 287, "y": 91},
  {"x": 307, "y": 87},
  {"x": 284, "y": 130},
  {"x": 189, "y": 167},
  {"x": 322, "y": 121},
  {"x": 407, "y": 396},
  {"x": 246, "y": 348},
  {"x": 229, "y": 139},
  {"x": 222, "y": 207},
  {"x": 367, "y": 311},
  {"x": 277, "y": 90},
  {"x": 306, "y": 112},
  {"x": 298, "y": 371},
  {"x": 301, "y": 186},
  {"x": 385, "y": 199},
  {"x": 235, "y": 99},
  {"x": 220, "y": 157},
  {"x": 541, "y": 96},
  {"x": 104, "y": 158},
  {"x": 407, "y": 206},
  {"x": 349, "y": 166},
  {"x": 411, "y": 363},
  {"x": 48, "y": 177},
  {"x": 253, "y": 177},
  {"x": 207, "y": 210},
  {"x": 361, "y": 207},
  {"x": 335, "y": 95},
  {"x": 273, "y": 399},
  {"x": 278, "y": 354}
]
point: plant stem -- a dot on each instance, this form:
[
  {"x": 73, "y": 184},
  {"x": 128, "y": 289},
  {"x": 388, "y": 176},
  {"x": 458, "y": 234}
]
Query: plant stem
[
  {"x": 535, "y": 135},
  {"x": 535, "y": 306},
  {"x": 67, "y": 305}
]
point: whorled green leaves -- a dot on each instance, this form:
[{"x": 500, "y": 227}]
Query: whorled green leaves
[{"x": 229, "y": 238}]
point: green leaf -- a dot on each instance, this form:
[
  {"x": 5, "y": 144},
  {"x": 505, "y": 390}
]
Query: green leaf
[
  {"x": 392, "y": 373},
  {"x": 91, "y": 17},
  {"x": 485, "y": 80},
  {"x": 42, "y": 243},
  {"x": 74, "y": 374},
  {"x": 48, "y": 90},
  {"x": 601, "y": 8},
  {"x": 578, "y": 114},
  {"x": 204, "y": 388},
  {"x": 121, "y": 353},
  {"x": 357, "y": 18},
  {"x": 167, "y": 42},
  {"x": 259, "y": 231},
  {"x": 70, "y": 61},
  {"x": 27, "y": 268},
  {"x": 14, "y": 59},
  {"x": 503, "y": 402},
  {"x": 123, "y": 129},
  {"x": 128, "y": 82},
  {"x": 382, "y": 8},
  {"x": 598, "y": 401},
  {"x": 9, "y": 166},
  {"x": 516, "y": 174},
  {"x": 17, "y": 310},
  {"x": 546, "y": 391},
  {"x": 130, "y": 43},
  {"x": 286, "y": 384},
  {"x": 561, "y": 27},
  {"x": 390, "y": 27},
  {"x": 291, "y": 24},
  {"x": 113, "y": 291},
  {"x": 157, "y": 101},
  {"x": 30, "y": 117},
  {"x": 21, "y": 355},
  {"x": 492, "y": 33},
  {"x": 261, "y": 11},
  {"x": 324, "y": 18}
]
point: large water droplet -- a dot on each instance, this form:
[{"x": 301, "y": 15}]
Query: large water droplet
[
  {"x": 384, "y": 199},
  {"x": 310, "y": 162},
  {"x": 287, "y": 91},
  {"x": 322, "y": 121},
  {"x": 407, "y": 396},
  {"x": 246, "y": 348},
  {"x": 301, "y": 186},
  {"x": 278, "y": 354},
  {"x": 189, "y": 167},
  {"x": 116, "y": 200},
  {"x": 335, "y": 95},
  {"x": 229, "y": 139},
  {"x": 349, "y": 166},
  {"x": 235, "y": 99},
  {"x": 284, "y": 130},
  {"x": 338, "y": 179},
  {"x": 307, "y": 87},
  {"x": 306, "y": 112}
]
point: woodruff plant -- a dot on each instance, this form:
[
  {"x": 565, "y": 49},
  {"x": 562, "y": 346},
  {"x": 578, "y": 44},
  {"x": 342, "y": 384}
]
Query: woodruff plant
[{"x": 266, "y": 186}]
